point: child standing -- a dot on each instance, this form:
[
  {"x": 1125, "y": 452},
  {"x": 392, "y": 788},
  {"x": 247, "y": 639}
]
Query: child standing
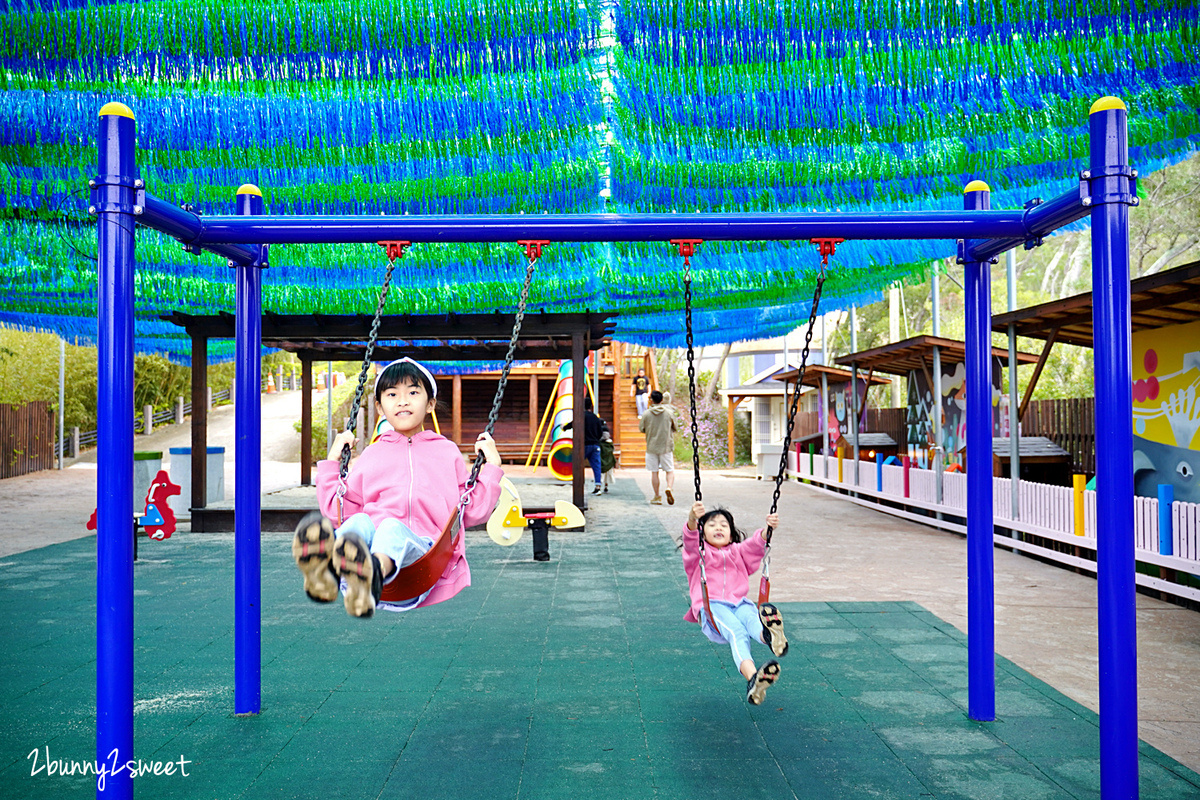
[
  {"x": 728, "y": 563},
  {"x": 397, "y": 498}
]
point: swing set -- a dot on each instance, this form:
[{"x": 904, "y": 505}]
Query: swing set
[
  {"x": 420, "y": 576},
  {"x": 1104, "y": 192}
]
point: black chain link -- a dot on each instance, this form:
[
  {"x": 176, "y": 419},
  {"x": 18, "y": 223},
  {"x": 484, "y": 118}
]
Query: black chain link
[
  {"x": 352, "y": 423},
  {"x": 791, "y": 420},
  {"x": 494, "y": 414},
  {"x": 691, "y": 371}
]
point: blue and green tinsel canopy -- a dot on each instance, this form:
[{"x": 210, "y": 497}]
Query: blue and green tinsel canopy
[{"x": 561, "y": 106}]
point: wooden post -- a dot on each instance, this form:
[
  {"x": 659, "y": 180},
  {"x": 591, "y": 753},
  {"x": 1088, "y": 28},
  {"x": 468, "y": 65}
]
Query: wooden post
[
  {"x": 456, "y": 410},
  {"x": 533, "y": 410},
  {"x": 578, "y": 355},
  {"x": 729, "y": 426},
  {"x": 617, "y": 389},
  {"x": 201, "y": 398},
  {"x": 306, "y": 390}
]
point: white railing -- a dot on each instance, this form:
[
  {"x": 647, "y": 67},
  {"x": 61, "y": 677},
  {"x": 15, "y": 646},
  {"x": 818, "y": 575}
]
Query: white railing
[{"x": 1043, "y": 510}]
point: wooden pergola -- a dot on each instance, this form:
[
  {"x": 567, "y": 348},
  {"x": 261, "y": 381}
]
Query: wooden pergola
[
  {"x": 443, "y": 337},
  {"x": 1155, "y": 301}
]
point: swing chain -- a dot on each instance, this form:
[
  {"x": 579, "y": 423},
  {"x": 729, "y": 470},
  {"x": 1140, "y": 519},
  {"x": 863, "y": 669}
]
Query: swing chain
[
  {"x": 795, "y": 404},
  {"x": 352, "y": 422},
  {"x": 534, "y": 254},
  {"x": 691, "y": 371}
]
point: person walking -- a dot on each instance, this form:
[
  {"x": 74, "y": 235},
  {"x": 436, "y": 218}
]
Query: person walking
[
  {"x": 640, "y": 389},
  {"x": 658, "y": 423}
]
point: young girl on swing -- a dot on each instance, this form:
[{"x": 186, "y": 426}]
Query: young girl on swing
[
  {"x": 402, "y": 490},
  {"x": 728, "y": 563}
]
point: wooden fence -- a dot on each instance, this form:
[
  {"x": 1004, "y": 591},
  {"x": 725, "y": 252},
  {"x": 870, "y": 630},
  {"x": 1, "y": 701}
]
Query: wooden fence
[
  {"x": 1069, "y": 423},
  {"x": 27, "y": 438},
  {"x": 1047, "y": 524}
]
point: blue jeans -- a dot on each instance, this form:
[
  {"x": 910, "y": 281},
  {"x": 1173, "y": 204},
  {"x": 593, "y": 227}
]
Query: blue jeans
[
  {"x": 592, "y": 453},
  {"x": 393, "y": 539},
  {"x": 736, "y": 625}
]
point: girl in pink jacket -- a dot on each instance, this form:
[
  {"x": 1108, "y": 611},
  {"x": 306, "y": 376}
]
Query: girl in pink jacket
[
  {"x": 728, "y": 564},
  {"x": 401, "y": 491}
]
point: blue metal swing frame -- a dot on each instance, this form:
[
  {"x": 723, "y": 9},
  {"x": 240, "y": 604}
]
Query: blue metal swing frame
[{"x": 1104, "y": 192}]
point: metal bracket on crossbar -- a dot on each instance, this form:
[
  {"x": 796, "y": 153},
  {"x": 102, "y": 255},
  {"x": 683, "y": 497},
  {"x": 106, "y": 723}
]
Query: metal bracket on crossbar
[
  {"x": 533, "y": 247},
  {"x": 394, "y": 249},
  {"x": 687, "y": 248},
  {"x": 827, "y": 246}
]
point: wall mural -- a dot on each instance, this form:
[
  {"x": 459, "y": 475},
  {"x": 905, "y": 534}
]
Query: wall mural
[
  {"x": 1166, "y": 412},
  {"x": 840, "y": 410},
  {"x": 919, "y": 419}
]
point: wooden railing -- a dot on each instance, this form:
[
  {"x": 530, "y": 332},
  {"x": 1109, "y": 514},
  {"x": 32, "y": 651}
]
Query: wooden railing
[
  {"x": 27, "y": 438},
  {"x": 1047, "y": 524},
  {"x": 1070, "y": 423}
]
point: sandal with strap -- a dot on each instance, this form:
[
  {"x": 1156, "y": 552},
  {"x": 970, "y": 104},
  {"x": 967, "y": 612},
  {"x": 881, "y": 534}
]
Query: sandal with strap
[
  {"x": 312, "y": 550},
  {"x": 772, "y": 629},
  {"x": 756, "y": 687},
  {"x": 361, "y": 575}
]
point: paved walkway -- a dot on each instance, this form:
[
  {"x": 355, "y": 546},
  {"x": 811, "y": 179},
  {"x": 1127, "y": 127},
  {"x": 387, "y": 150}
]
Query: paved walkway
[{"x": 546, "y": 679}]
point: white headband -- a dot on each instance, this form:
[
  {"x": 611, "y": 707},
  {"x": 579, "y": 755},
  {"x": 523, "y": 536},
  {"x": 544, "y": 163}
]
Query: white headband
[{"x": 407, "y": 360}]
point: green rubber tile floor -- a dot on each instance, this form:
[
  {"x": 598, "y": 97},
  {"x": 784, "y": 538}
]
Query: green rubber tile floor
[{"x": 543, "y": 680}]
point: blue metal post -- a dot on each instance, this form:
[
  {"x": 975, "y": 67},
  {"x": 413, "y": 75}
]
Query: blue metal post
[
  {"x": 114, "y": 200},
  {"x": 981, "y": 603},
  {"x": 1111, "y": 193},
  {"x": 879, "y": 472},
  {"x": 247, "y": 513},
  {"x": 1166, "y": 532}
]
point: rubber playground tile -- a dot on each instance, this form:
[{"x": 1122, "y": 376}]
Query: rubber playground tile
[
  {"x": 852, "y": 777},
  {"x": 739, "y": 734},
  {"x": 987, "y": 775},
  {"x": 709, "y": 773},
  {"x": 586, "y": 739},
  {"x": 584, "y": 705},
  {"x": 456, "y": 736},
  {"x": 329, "y": 772},
  {"x": 625, "y": 778},
  {"x": 481, "y": 775}
]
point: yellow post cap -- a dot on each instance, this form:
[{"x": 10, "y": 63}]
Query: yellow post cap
[
  {"x": 976, "y": 186},
  {"x": 1107, "y": 104},
  {"x": 249, "y": 188},
  {"x": 116, "y": 110}
]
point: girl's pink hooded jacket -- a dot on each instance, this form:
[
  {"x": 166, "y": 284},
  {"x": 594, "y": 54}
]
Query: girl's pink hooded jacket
[
  {"x": 417, "y": 481},
  {"x": 728, "y": 569}
]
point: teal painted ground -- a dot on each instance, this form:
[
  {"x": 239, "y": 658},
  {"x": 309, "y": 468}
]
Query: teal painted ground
[{"x": 544, "y": 680}]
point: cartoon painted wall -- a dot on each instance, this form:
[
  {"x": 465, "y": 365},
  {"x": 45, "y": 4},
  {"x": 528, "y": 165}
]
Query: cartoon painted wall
[
  {"x": 1166, "y": 410},
  {"x": 919, "y": 418},
  {"x": 840, "y": 410}
]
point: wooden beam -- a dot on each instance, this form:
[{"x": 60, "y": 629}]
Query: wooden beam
[
  {"x": 1037, "y": 372},
  {"x": 577, "y": 426},
  {"x": 533, "y": 407},
  {"x": 729, "y": 427},
  {"x": 199, "y": 422},
  {"x": 862, "y": 411},
  {"x": 456, "y": 411},
  {"x": 306, "y": 390}
]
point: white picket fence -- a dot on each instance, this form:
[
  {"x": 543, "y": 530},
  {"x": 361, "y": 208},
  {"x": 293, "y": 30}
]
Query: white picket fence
[{"x": 1043, "y": 510}]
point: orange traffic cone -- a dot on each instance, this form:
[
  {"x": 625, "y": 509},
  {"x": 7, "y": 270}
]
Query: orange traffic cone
[
  {"x": 270, "y": 383},
  {"x": 321, "y": 381}
]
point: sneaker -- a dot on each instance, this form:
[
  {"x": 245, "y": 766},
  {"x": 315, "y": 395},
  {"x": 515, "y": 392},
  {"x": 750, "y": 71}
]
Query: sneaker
[
  {"x": 358, "y": 567},
  {"x": 597, "y": 489},
  {"x": 772, "y": 629},
  {"x": 312, "y": 549},
  {"x": 657, "y": 501},
  {"x": 756, "y": 687},
  {"x": 606, "y": 488},
  {"x": 670, "y": 498}
]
